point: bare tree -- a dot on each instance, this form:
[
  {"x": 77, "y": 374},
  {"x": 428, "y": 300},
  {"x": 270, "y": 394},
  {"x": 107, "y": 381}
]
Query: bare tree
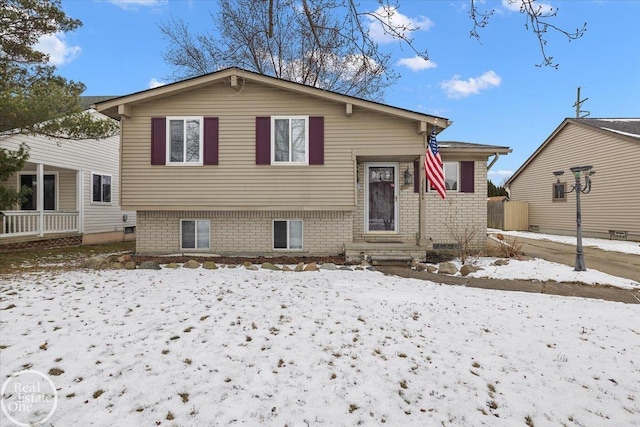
[
  {"x": 462, "y": 232},
  {"x": 321, "y": 43},
  {"x": 537, "y": 20},
  {"x": 308, "y": 43}
]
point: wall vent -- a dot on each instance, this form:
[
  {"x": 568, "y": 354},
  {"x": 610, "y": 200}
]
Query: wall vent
[{"x": 617, "y": 235}]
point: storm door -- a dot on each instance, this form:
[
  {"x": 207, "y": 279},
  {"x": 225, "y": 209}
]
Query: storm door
[{"x": 381, "y": 210}]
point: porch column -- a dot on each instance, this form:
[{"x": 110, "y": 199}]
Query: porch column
[
  {"x": 80, "y": 199},
  {"x": 422, "y": 205},
  {"x": 40, "y": 197}
]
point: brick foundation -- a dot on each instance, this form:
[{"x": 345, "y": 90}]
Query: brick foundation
[{"x": 41, "y": 243}]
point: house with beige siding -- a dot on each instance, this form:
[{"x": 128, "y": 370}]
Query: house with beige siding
[
  {"x": 78, "y": 201},
  {"x": 238, "y": 163},
  {"x": 612, "y": 208}
]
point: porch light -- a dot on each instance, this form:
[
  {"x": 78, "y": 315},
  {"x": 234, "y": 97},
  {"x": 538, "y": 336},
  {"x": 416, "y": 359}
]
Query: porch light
[
  {"x": 579, "y": 172},
  {"x": 408, "y": 176}
]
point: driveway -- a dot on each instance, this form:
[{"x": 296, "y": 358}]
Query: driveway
[{"x": 614, "y": 263}]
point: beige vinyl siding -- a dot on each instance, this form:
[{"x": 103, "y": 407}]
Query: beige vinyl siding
[
  {"x": 614, "y": 201},
  {"x": 237, "y": 183},
  {"x": 68, "y": 158}
]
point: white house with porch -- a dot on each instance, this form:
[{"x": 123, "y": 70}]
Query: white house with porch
[{"x": 78, "y": 200}]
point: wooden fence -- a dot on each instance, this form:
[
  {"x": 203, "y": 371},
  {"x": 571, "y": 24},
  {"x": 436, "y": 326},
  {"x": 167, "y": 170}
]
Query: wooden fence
[{"x": 509, "y": 215}]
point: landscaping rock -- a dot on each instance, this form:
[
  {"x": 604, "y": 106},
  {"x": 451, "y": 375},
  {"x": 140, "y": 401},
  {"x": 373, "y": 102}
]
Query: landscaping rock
[
  {"x": 130, "y": 265},
  {"x": 344, "y": 268},
  {"x": 419, "y": 266},
  {"x": 311, "y": 267},
  {"x": 447, "y": 268},
  {"x": 210, "y": 265},
  {"x": 286, "y": 268},
  {"x": 251, "y": 267},
  {"x": 125, "y": 258},
  {"x": 246, "y": 263},
  {"x": 95, "y": 263},
  {"x": 500, "y": 262},
  {"x": 466, "y": 269},
  {"x": 269, "y": 266},
  {"x": 116, "y": 266},
  {"x": 431, "y": 269},
  {"x": 299, "y": 267},
  {"x": 149, "y": 265},
  {"x": 328, "y": 266},
  {"x": 192, "y": 263},
  {"x": 172, "y": 265}
]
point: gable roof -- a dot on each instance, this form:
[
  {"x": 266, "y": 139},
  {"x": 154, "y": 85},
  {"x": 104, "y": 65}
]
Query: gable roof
[
  {"x": 117, "y": 106},
  {"x": 624, "y": 128},
  {"x": 628, "y": 127}
]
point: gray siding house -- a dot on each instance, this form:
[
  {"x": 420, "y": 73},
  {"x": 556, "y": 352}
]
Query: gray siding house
[
  {"x": 79, "y": 201},
  {"x": 612, "y": 208},
  {"x": 238, "y": 163}
]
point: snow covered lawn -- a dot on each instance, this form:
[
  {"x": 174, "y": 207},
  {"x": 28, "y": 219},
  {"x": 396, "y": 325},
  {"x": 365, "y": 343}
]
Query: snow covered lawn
[{"x": 233, "y": 346}]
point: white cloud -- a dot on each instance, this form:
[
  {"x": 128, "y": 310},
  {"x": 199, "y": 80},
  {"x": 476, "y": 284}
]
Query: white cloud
[
  {"x": 499, "y": 175},
  {"x": 417, "y": 63},
  {"x": 55, "y": 46},
  {"x": 132, "y": 4},
  {"x": 538, "y": 7},
  {"x": 393, "y": 17},
  {"x": 153, "y": 83},
  {"x": 457, "y": 88}
]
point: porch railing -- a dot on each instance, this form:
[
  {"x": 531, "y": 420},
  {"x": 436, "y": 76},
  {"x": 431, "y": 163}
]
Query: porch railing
[{"x": 26, "y": 223}]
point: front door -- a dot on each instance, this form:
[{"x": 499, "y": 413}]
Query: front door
[
  {"x": 49, "y": 192},
  {"x": 381, "y": 213}
]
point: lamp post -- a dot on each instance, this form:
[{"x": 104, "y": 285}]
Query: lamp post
[{"x": 578, "y": 173}]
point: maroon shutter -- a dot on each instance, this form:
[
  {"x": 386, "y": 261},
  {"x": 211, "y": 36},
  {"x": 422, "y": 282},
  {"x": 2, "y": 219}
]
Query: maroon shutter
[
  {"x": 316, "y": 140},
  {"x": 467, "y": 177},
  {"x": 416, "y": 176},
  {"x": 210, "y": 141},
  {"x": 263, "y": 140},
  {"x": 158, "y": 140}
]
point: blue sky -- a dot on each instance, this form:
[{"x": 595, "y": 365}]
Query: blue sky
[{"x": 492, "y": 91}]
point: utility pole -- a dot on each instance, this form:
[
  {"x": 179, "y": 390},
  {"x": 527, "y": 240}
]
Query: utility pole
[{"x": 578, "y": 105}]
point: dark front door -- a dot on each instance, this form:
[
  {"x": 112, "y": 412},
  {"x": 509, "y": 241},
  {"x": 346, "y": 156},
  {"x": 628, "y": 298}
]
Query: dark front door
[{"x": 381, "y": 198}]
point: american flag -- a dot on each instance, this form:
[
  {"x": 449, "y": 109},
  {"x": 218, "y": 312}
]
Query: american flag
[{"x": 433, "y": 166}]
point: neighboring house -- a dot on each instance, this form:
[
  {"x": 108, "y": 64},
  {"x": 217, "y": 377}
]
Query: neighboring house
[
  {"x": 78, "y": 202},
  {"x": 612, "y": 208},
  {"x": 239, "y": 163}
]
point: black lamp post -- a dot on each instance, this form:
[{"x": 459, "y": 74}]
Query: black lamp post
[{"x": 578, "y": 172}]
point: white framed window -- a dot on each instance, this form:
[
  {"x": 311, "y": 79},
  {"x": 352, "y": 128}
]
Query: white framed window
[
  {"x": 290, "y": 140},
  {"x": 451, "y": 177},
  {"x": 195, "y": 234},
  {"x": 287, "y": 234},
  {"x": 185, "y": 140},
  {"x": 100, "y": 188}
]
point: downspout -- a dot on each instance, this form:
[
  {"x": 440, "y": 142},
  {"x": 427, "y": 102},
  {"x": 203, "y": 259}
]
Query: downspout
[{"x": 493, "y": 162}]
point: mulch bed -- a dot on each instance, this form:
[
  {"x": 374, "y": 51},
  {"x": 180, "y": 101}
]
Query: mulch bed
[{"x": 338, "y": 260}]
